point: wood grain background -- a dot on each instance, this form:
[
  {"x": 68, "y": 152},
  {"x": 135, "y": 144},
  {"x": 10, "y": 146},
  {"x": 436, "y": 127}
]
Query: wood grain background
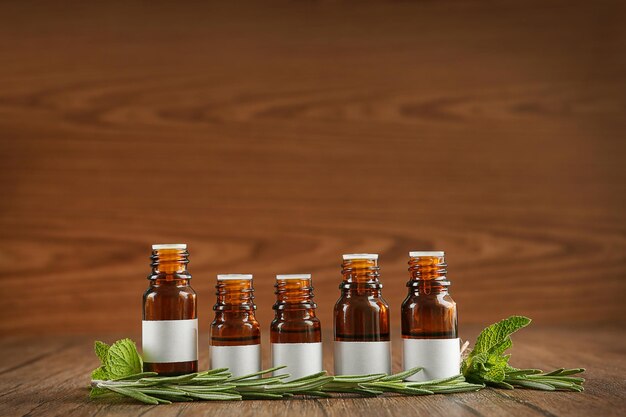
[{"x": 272, "y": 137}]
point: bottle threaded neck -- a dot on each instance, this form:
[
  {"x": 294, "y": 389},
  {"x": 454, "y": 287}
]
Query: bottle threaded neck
[
  {"x": 294, "y": 292},
  {"x": 169, "y": 259},
  {"x": 360, "y": 271},
  {"x": 427, "y": 267},
  {"x": 234, "y": 293}
]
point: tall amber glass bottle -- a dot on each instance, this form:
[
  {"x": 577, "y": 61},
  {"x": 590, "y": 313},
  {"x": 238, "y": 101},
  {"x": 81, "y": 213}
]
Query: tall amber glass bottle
[
  {"x": 170, "y": 318},
  {"x": 295, "y": 332},
  {"x": 429, "y": 319},
  {"x": 362, "y": 344},
  {"x": 235, "y": 339}
]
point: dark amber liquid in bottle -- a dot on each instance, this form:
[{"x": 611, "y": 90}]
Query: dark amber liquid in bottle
[
  {"x": 361, "y": 313},
  {"x": 170, "y": 297},
  {"x": 235, "y": 323},
  {"x": 295, "y": 320},
  {"x": 428, "y": 312}
]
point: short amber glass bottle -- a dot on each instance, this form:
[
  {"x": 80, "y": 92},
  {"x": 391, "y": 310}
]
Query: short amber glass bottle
[
  {"x": 362, "y": 337},
  {"x": 429, "y": 319},
  {"x": 235, "y": 338},
  {"x": 170, "y": 318},
  {"x": 295, "y": 332}
]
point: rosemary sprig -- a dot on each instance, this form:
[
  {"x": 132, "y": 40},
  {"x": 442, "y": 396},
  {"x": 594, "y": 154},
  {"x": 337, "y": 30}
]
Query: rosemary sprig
[
  {"x": 219, "y": 385},
  {"x": 557, "y": 380}
]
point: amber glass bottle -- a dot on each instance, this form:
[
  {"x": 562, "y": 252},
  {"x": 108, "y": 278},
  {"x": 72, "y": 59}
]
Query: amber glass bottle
[
  {"x": 295, "y": 332},
  {"x": 429, "y": 319},
  {"x": 235, "y": 338},
  {"x": 170, "y": 320},
  {"x": 362, "y": 344}
]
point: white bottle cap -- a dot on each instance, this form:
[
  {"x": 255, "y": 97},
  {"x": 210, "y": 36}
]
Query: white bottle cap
[
  {"x": 367, "y": 256},
  {"x": 294, "y": 276},
  {"x": 169, "y": 246},
  {"x": 225, "y": 277},
  {"x": 417, "y": 254}
]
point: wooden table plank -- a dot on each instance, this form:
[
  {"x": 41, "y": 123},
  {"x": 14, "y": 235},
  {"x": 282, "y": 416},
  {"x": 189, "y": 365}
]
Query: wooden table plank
[{"x": 55, "y": 384}]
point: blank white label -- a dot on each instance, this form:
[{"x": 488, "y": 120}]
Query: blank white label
[
  {"x": 240, "y": 360},
  {"x": 357, "y": 358},
  {"x": 440, "y": 358},
  {"x": 168, "y": 341},
  {"x": 301, "y": 359}
]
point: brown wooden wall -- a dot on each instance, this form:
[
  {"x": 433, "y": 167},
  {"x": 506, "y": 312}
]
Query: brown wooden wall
[{"x": 273, "y": 137}]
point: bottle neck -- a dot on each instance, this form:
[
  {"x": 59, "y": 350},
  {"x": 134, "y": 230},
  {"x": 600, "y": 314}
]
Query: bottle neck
[
  {"x": 294, "y": 297},
  {"x": 428, "y": 275},
  {"x": 170, "y": 265},
  {"x": 360, "y": 277},
  {"x": 234, "y": 295}
]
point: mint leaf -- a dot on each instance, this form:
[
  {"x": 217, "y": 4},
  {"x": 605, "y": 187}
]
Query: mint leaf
[
  {"x": 498, "y": 333},
  {"x": 101, "y": 349},
  {"x": 100, "y": 373},
  {"x": 487, "y": 363},
  {"x": 98, "y": 392},
  {"x": 123, "y": 360}
]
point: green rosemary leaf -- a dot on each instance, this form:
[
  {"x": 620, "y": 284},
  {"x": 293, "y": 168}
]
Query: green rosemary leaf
[
  {"x": 162, "y": 391},
  {"x": 261, "y": 396},
  {"x": 454, "y": 389},
  {"x": 402, "y": 375},
  {"x": 454, "y": 378},
  {"x": 351, "y": 390},
  {"x": 170, "y": 379},
  {"x": 144, "y": 398},
  {"x": 312, "y": 376},
  {"x": 255, "y": 374},
  {"x": 208, "y": 388},
  {"x": 510, "y": 371},
  {"x": 136, "y": 376},
  {"x": 531, "y": 384},
  {"x": 313, "y": 393},
  {"x": 553, "y": 373},
  {"x": 399, "y": 388},
  {"x": 502, "y": 384},
  {"x": 217, "y": 396},
  {"x": 565, "y": 372},
  {"x": 214, "y": 371},
  {"x": 359, "y": 378},
  {"x": 255, "y": 382}
]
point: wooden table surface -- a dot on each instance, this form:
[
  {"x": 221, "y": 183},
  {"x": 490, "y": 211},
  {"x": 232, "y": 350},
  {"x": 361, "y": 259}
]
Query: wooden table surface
[{"x": 47, "y": 376}]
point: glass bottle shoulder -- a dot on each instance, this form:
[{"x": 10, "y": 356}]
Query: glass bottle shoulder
[
  {"x": 166, "y": 289},
  {"x": 441, "y": 300},
  {"x": 354, "y": 302}
]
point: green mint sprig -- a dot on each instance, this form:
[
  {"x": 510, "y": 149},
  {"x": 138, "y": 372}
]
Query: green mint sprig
[
  {"x": 487, "y": 364},
  {"x": 119, "y": 360}
]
